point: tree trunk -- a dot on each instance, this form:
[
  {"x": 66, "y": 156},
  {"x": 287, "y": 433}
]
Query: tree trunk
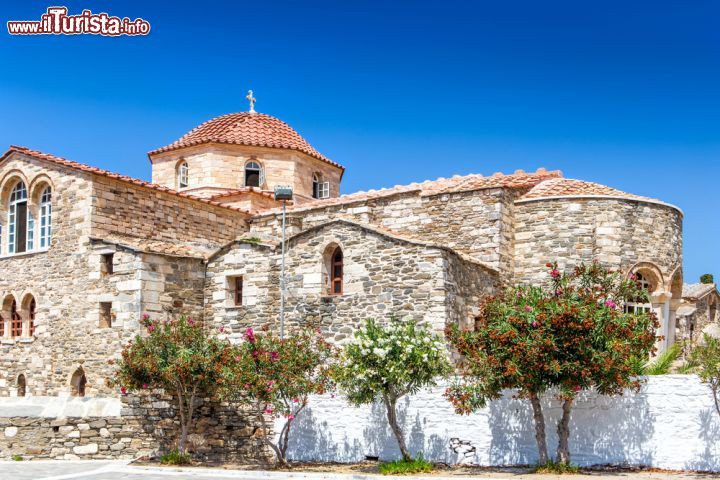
[
  {"x": 563, "y": 430},
  {"x": 183, "y": 424},
  {"x": 279, "y": 457},
  {"x": 390, "y": 403},
  {"x": 285, "y": 435},
  {"x": 539, "y": 429},
  {"x": 715, "y": 388}
]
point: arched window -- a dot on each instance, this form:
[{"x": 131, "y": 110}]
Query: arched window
[
  {"x": 2, "y": 326},
  {"x": 253, "y": 174},
  {"x": 182, "y": 175},
  {"x": 21, "y": 385},
  {"x": 45, "y": 218},
  {"x": 16, "y": 322},
  {"x": 320, "y": 189},
  {"x": 78, "y": 382},
  {"x": 640, "y": 304},
  {"x": 336, "y": 272},
  {"x": 31, "y": 316},
  {"x": 18, "y": 219}
]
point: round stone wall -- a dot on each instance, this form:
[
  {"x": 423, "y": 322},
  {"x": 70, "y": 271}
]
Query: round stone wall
[{"x": 617, "y": 232}]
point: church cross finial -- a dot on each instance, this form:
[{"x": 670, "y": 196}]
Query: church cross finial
[{"x": 252, "y": 101}]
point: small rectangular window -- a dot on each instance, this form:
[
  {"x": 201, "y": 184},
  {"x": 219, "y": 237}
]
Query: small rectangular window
[
  {"x": 238, "y": 290},
  {"x": 324, "y": 190},
  {"x": 105, "y": 315},
  {"x": 107, "y": 263}
]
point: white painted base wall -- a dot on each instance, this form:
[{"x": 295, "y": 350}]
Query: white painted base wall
[{"x": 671, "y": 423}]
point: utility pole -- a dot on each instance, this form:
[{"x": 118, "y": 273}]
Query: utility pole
[{"x": 283, "y": 194}]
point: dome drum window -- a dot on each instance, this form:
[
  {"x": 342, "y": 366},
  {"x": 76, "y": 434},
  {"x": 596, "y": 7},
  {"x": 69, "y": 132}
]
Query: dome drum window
[
  {"x": 182, "y": 175},
  {"x": 254, "y": 175},
  {"x": 320, "y": 189}
]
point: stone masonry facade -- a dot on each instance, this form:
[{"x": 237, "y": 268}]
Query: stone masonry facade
[{"x": 204, "y": 239}]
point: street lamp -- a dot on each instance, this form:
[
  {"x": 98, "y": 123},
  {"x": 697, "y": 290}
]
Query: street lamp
[{"x": 283, "y": 194}]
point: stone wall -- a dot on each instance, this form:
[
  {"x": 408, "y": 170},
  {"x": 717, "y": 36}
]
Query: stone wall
[
  {"x": 122, "y": 209},
  {"x": 616, "y": 232},
  {"x": 222, "y": 166},
  {"x": 59, "y": 279},
  {"x": 670, "y": 424},
  {"x": 384, "y": 276},
  {"x": 108, "y": 428},
  {"x": 477, "y": 222}
]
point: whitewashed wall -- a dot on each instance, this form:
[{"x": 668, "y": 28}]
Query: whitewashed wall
[{"x": 670, "y": 424}]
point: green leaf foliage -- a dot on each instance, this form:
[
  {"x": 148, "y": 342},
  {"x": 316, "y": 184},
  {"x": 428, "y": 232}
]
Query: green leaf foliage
[
  {"x": 572, "y": 334},
  {"x": 390, "y": 360}
]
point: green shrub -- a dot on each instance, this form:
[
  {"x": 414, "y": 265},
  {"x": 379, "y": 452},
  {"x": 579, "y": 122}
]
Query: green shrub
[
  {"x": 664, "y": 361},
  {"x": 406, "y": 467},
  {"x": 707, "y": 278},
  {"x": 556, "y": 468},
  {"x": 174, "y": 457},
  {"x": 17, "y": 458}
]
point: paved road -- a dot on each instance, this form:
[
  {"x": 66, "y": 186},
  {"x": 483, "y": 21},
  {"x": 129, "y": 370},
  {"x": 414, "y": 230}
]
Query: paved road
[{"x": 99, "y": 470}]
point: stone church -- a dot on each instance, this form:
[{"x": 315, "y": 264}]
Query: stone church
[{"x": 85, "y": 252}]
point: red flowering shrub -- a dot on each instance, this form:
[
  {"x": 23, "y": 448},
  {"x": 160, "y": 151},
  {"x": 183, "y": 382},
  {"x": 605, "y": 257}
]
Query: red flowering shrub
[
  {"x": 571, "y": 336},
  {"x": 178, "y": 356},
  {"x": 276, "y": 376}
]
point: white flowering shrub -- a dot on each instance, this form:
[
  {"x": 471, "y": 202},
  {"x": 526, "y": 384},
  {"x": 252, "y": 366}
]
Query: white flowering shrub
[{"x": 385, "y": 363}]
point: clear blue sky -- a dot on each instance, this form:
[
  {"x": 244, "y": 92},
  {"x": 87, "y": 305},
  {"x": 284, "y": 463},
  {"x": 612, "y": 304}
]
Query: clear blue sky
[{"x": 621, "y": 93}]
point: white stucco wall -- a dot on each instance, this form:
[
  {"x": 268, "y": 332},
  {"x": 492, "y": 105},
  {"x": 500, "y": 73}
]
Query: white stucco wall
[{"x": 670, "y": 424}]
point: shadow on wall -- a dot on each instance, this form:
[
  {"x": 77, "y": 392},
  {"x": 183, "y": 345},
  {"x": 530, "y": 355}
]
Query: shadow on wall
[
  {"x": 313, "y": 438},
  {"x": 709, "y": 424},
  {"x": 602, "y": 430}
]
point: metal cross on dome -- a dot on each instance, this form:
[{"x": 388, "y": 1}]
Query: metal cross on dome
[{"x": 252, "y": 101}]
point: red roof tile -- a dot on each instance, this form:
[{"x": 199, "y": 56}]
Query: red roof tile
[
  {"x": 515, "y": 181},
  {"x": 246, "y": 128},
  {"x": 98, "y": 171},
  {"x": 566, "y": 187}
]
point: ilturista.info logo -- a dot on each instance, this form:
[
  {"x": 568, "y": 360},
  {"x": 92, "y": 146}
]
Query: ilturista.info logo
[{"x": 56, "y": 21}]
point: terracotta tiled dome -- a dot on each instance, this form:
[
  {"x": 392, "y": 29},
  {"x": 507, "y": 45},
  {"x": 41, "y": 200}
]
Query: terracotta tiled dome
[{"x": 247, "y": 128}]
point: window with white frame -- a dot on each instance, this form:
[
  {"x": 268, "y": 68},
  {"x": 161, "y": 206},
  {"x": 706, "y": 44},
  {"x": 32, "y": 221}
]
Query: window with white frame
[
  {"x": 254, "y": 174},
  {"x": 641, "y": 304},
  {"x": 18, "y": 217},
  {"x": 182, "y": 175},
  {"x": 320, "y": 189},
  {"x": 45, "y": 218}
]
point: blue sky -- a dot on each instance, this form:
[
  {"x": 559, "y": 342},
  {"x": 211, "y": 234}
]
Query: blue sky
[{"x": 621, "y": 93}]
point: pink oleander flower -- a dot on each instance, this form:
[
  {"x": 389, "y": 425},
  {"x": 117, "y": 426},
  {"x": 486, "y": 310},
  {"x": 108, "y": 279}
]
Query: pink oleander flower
[
  {"x": 271, "y": 383},
  {"x": 145, "y": 386},
  {"x": 250, "y": 335},
  {"x": 268, "y": 411},
  {"x": 274, "y": 356},
  {"x": 123, "y": 390},
  {"x": 291, "y": 417},
  {"x": 536, "y": 324},
  {"x": 610, "y": 304},
  {"x": 577, "y": 388},
  {"x": 528, "y": 308},
  {"x": 555, "y": 273},
  {"x": 145, "y": 316},
  {"x": 191, "y": 322},
  {"x": 151, "y": 328},
  {"x": 221, "y": 329},
  {"x": 238, "y": 358}
]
